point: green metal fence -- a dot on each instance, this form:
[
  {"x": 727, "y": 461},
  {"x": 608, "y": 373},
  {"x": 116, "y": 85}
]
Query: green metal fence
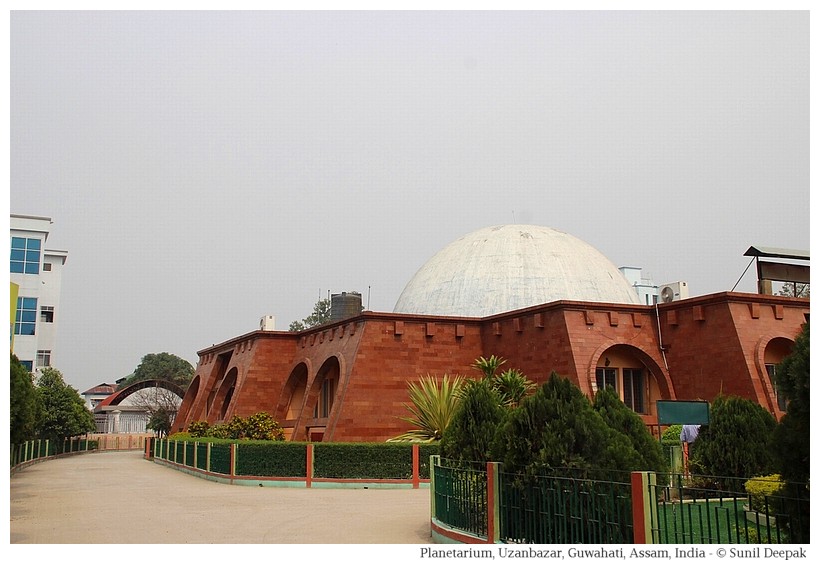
[
  {"x": 36, "y": 449},
  {"x": 565, "y": 510},
  {"x": 461, "y": 497},
  {"x": 572, "y": 508},
  {"x": 719, "y": 510}
]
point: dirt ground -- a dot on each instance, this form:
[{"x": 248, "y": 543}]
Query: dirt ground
[{"x": 117, "y": 497}]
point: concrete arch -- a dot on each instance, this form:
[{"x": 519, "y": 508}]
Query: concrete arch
[{"x": 117, "y": 397}]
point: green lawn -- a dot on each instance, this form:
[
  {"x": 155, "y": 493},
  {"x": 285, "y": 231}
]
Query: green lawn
[{"x": 714, "y": 521}]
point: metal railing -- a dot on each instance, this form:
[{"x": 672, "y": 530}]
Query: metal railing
[
  {"x": 719, "y": 510},
  {"x": 461, "y": 496},
  {"x": 489, "y": 505},
  {"x": 565, "y": 510}
]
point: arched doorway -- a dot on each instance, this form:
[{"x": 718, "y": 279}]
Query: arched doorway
[{"x": 632, "y": 374}]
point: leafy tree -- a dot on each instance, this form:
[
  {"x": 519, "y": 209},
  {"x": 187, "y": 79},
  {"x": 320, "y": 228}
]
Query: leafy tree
[
  {"x": 737, "y": 443},
  {"x": 24, "y": 403},
  {"x": 160, "y": 422},
  {"x": 161, "y": 366},
  {"x": 619, "y": 417},
  {"x": 791, "y": 436},
  {"x": 432, "y": 407},
  {"x": 795, "y": 290},
  {"x": 160, "y": 405},
  {"x": 557, "y": 428},
  {"x": 471, "y": 433},
  {"x": 64, "y": 411},
  {"x": 320, "y": 316}
]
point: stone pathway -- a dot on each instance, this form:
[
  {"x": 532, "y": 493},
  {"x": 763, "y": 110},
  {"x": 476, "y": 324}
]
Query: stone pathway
[{"x": 121, "y": 498}]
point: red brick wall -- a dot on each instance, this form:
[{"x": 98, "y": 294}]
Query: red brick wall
[{"x": 713, "y": 344}]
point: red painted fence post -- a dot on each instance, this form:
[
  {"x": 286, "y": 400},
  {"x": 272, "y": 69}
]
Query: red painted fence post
[
  {"x": 493, "y": 504},
  {"x": 309, "y": 465},
  {"x": 642, "y": 507},
  {"x": 416, "y": 479}
]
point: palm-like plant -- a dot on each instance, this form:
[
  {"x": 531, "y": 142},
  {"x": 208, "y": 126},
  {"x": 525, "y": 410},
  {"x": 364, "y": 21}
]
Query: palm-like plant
[
  {"x": 432, "y": 406},
  {"x": 512, "y": 386},
  {"x": 488, "y": 366}
]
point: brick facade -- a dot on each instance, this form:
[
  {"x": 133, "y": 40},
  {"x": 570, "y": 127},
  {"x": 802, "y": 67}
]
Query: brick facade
[{"x": 358, "y": 369}]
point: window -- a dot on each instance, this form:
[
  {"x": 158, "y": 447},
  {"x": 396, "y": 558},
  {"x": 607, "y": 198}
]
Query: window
[
  {"x": 629, "y": 385},
  {"x": 27, "y": 364},
  {"x": 771, "y": 370},
  {"x": 43, "y": 358},
  {"x": 325, "y": 398},
  {"x": 26, "y": 318},
  {"x": 633, "y": 389},
  {"x": 606, "y": 377},
  {"x": 25, "y": 255},
  {"x": 46, "y": 267},
  {"x": 47, "y": 314}
]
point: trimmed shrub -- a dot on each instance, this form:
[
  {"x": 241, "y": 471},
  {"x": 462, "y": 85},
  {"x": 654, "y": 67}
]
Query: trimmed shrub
[
  {"x": 761, "y": 489},
  {"x": 471, "y": 433},
  {"x": 558, "y": 428},
  {"x": 736, "y": 443},
  {"x": 625, "y": 421}
]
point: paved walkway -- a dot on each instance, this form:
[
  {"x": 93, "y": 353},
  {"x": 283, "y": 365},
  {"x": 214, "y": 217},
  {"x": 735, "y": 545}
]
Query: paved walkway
[{"x": 120, "y": 498}]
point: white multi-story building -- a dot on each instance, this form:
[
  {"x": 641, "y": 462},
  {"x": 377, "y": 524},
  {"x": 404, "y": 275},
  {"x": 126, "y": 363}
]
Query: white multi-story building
[{"x": 36, "y": 274}]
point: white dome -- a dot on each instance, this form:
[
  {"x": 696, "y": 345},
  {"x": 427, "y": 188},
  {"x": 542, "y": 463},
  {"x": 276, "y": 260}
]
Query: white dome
[{"x": 509, "y": 267}]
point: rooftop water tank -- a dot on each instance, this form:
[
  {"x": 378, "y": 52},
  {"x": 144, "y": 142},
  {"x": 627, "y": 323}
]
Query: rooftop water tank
[{"x": 345, "y": 305}]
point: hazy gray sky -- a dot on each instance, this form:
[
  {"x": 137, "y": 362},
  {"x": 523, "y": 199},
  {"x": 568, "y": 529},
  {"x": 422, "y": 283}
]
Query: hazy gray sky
[{"x": 204, "y": 169}]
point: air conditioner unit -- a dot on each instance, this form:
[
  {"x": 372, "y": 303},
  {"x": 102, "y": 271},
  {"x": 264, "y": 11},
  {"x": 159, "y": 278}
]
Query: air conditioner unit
[
  {"x": 673, "y": 292},
  {"x": 267, "y": 323}
]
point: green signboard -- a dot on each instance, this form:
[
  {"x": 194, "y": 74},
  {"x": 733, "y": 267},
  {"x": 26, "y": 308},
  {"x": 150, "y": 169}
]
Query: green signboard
[{"x": 671, "y": 412}]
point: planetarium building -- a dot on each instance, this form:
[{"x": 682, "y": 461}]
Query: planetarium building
[{"x": 540, "y": 298}]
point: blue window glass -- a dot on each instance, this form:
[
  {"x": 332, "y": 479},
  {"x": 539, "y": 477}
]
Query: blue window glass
[
  {"x": 28, "y": 364},
  {"x": 26, "y": 317},
  {"x": 25, "y": 255}
]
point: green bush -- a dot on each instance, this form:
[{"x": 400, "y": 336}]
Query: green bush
[
  {"x": 363, "y": 460},
  {"x": 671, "y": 435},
  {"x": 625, "y": 421},
  {"x": 262, "y": 426},
  {"x": 557, "y": 428},
  {"x": 198, "y": 428},
  {"x": 735, "y": 444},
  {"x": 219, "y": 431},
  {"x": 761, "y": 490},
  {"x": 271, "y": 458},
  {"x": 479, "y": 415}
]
